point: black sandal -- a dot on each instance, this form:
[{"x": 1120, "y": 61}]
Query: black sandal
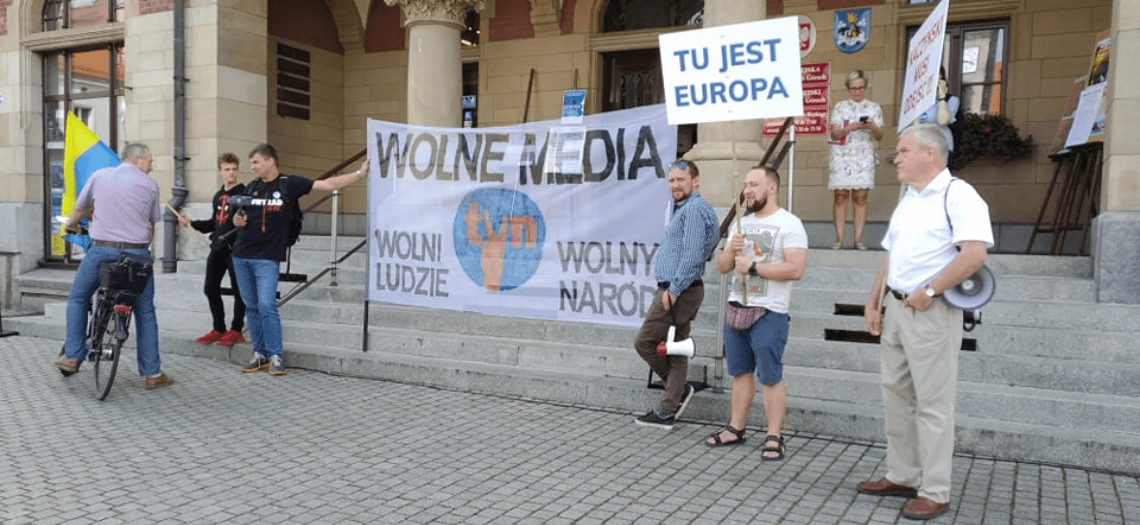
[
  {"x": 779, "y": 450},
  {"x": 739, "y": 433}
]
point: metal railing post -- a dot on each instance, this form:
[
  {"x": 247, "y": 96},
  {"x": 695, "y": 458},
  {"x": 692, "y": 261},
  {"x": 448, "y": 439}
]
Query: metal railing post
[{"x": 335, "y": 220}]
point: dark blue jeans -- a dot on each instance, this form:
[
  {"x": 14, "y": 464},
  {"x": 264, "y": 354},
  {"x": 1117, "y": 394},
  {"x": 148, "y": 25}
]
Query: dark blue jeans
[
  {"x": 257, "y": 280},
  {"x": 79, "y": 302}
]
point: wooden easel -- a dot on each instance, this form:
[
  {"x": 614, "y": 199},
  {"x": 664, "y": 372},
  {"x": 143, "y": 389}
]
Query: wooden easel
[{"x": 1079, "y": 170}]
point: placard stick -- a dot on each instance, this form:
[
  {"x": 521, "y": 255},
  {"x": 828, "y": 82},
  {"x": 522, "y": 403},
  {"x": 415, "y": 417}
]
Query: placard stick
[
  {"x": 739, "y": 227},
  {"x": 196, "y": 232}
]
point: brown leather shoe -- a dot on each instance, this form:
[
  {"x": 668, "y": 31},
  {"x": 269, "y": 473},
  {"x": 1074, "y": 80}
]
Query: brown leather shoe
[
  {"x": 67, "y": 366},
  {"x": 923, "y": 509},
  {"x": 158, "y": 382},
  {"x": 884, "y": 487}
]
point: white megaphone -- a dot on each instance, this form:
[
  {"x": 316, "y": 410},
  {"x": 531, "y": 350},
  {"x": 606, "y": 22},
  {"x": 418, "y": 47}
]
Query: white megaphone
[
  {"x": 974, "y": 292},
  {"x": 971, "y": 295},
  {"x": 682, "y": 348}
]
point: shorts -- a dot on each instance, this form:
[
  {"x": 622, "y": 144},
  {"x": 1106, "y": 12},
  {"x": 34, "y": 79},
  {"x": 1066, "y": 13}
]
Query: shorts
[{"x": 762, "y": 345}]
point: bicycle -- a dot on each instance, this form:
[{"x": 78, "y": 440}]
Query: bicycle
[{"x": 109, "y": 318}]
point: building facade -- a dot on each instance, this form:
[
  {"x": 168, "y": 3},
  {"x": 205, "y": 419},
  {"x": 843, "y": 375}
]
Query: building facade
[{"x": 196, "y": 78}]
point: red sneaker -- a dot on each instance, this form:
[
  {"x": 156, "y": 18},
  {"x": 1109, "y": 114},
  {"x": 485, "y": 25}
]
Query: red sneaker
[
  {"x": 210, "y": 337},
  {"x": 230, "y": 338}
]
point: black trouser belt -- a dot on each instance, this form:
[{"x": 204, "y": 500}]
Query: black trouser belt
[
  {"x": 902, "y": 296},
  {"x": 121, "y": 245},
  {"x": 663, "y": 285}
]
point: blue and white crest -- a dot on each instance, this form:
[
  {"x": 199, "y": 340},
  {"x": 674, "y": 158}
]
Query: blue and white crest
[{"x": 852, "y": 29}]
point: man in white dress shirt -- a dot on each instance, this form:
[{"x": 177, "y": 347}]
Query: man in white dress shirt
[{"x": 937, "y": 237}]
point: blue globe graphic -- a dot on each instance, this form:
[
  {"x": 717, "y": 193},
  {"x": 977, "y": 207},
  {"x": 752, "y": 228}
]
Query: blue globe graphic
[{"x": 498, "y": 235}]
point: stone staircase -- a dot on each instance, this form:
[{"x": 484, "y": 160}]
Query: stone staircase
[{"x": 1049, "y": 376}]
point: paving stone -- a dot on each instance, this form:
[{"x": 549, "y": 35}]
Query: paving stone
[{"x": 224, "y": 447}]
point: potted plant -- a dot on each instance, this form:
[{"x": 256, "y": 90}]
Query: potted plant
[{"x": 989, "y": 136}]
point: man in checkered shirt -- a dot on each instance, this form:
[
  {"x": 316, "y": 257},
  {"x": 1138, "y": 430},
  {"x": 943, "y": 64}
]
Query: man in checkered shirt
[{"x": 689, "y": 242}]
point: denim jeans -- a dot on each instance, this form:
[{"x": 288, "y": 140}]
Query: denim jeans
[
  {"x": 257, "y": 283},
  {"x": 79, "y": 302}
]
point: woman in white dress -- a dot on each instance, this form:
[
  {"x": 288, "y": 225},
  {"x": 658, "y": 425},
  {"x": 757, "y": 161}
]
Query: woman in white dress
[{"x": 856, "y": 125}]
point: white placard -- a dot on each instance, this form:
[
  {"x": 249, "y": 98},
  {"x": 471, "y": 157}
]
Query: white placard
[
  {"x": 473, "y": 220},
  {"x": 924, "y": 57},
  {"x": 735, "y": 72},
  {"x": 1085, "y": 115}
]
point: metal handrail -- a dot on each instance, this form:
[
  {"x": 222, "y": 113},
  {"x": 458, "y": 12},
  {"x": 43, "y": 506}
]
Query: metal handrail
[
  {"x": 301, "y": 286},
  {"x": 332, "y": 172},
  {"x": 334, "y": 261}
]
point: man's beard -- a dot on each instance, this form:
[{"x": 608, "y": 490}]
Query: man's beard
[{"x": 758, "y": 204}]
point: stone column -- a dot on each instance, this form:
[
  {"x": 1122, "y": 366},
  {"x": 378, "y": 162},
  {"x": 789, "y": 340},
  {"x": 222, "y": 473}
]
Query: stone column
[
  {"x": 713, "y": 151},
  {"x": 1115, "y": 249},
  {"x": 435, "y": 69}
]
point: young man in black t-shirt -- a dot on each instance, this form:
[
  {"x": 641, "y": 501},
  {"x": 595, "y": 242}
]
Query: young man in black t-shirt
[
  {"x": 219, "y": 261},
  {"x": 262, "y": 240}
]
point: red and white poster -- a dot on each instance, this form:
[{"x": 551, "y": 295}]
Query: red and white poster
[{"x": 816, "y": 78}]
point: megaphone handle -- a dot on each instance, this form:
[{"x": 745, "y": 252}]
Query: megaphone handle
[{"x": 672, "y": 332}]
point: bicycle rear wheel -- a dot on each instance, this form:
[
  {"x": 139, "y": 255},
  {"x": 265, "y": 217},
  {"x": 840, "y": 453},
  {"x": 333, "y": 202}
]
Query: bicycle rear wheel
[{"x": 106, "y": 352}]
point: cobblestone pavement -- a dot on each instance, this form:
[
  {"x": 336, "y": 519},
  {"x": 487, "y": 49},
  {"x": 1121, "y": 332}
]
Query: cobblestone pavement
[{"x": 224, "y": 447}]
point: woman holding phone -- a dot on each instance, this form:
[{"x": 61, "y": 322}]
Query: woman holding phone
[{"x": 856, "y": 124}]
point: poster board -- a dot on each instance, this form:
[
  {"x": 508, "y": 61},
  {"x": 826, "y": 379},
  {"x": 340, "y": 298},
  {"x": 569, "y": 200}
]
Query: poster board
[
  {"x": 922, "y": 62},
  {"x": 734, "y": 72},
  {"x": 1090, "y": 117},
  {"x": 816, "y": 78}
]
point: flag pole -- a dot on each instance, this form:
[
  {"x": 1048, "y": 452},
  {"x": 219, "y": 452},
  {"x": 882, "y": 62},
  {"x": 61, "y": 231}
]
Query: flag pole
[{"x": 196, "y": 232}]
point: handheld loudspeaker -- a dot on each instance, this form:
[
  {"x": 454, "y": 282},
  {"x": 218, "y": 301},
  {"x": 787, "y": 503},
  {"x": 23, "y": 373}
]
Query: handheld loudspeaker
[
  {"x": 682, "y": 348},
  {"x": 974, "y": 292}
]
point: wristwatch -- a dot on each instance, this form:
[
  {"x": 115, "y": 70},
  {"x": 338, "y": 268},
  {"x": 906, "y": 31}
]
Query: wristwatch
[
  {"x": 752, "y": 269},
  {"x": 929, "y": 291}
]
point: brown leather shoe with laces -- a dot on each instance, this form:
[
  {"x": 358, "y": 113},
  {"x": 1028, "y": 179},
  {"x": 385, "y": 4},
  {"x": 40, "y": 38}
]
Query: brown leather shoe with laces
[
  {"x": 923, "y": 509},
  {"x": 885, "y": 487}
]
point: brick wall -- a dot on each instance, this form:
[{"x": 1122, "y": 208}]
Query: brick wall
[
  {"x": 155, "y": 6},
  {"x": 4, "y": 16}
]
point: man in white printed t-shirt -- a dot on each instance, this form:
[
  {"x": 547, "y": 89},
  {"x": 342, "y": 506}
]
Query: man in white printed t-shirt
[{"x": 769, "y": 254}]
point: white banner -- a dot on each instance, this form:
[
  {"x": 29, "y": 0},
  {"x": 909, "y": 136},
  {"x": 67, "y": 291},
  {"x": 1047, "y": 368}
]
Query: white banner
[
  {"x": 493, "y": 220},
  {"x": 735, "y": 72},
  {"x": 924, "y": 57}
]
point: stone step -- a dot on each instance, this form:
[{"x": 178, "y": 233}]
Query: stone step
[
  {"x": 999, "y": 263},
  {"x": 1115, "y": 451},
  {"x": 1074, "y": 375},
  {"x": 1111, "y": 451},
  {"x": 1081, "y": 372},
  {"x": 982, "y": 400},
  {"x": 856, "y": 384}
]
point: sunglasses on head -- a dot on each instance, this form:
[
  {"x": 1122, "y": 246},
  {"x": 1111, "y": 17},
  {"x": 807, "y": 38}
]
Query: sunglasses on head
[{"x": 680, "y": 164}]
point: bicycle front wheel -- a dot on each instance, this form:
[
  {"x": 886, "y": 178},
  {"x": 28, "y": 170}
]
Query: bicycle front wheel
[{"x": 106, "y": 357}]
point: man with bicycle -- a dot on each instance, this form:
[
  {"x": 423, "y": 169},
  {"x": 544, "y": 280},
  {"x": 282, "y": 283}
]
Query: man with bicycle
[{"x": 124, "y": 206}]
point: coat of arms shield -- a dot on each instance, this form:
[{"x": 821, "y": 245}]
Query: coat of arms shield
[{"x": 852, "y": 29}]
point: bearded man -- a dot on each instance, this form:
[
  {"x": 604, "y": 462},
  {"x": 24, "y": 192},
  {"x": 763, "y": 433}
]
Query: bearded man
[{"x": 768, "y": 253}]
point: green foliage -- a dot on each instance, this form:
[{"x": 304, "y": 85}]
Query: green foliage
[{"x": 989, "y": 136}]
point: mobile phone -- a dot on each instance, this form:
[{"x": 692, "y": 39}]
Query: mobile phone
[{"x": 863, "y": 118}]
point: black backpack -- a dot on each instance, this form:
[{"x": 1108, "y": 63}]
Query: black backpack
[{"x": 296, "y": 217}]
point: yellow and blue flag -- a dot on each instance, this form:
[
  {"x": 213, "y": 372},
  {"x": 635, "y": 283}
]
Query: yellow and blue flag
[{"x": 83, "y": 153}]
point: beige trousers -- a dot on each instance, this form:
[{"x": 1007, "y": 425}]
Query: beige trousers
[{"x": 919, "y": 380}]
